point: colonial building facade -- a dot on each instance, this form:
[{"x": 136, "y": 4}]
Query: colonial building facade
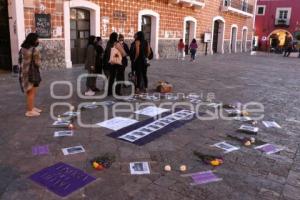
[
  {"x": 64, "y": 26},
  {"x": 275, "y": 19}
]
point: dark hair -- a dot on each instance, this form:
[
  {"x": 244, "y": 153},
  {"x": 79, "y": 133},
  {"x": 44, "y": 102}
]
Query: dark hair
[
  {"x": 194, "y": 41},
  {"x": 30, "y": 40},
  {"x": 181, "y": 40},
  {"x": 121, "y": 36},
  {"x": 91, "y": 40},
  {"x": 140, "y": 36},
  {"x": 113, "y": 37},
  {"x": 98, "y": 39}
]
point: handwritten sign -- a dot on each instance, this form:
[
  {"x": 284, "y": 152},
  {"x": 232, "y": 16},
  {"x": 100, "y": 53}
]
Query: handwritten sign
[
  {"x": 62, "y": 179},
  {"x": 43, "y": 25}
]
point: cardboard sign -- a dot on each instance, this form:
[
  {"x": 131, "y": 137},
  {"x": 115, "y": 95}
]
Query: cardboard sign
[
  {"x": 207, "y": 37},
  {"x": 62, "y": 179}
]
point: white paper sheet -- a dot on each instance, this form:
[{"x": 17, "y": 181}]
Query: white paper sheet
[
  {"x": 117, "y": 123},
  {"x": 61, "y": 123},
  {"x": 138, "y": 168},
  {"x": 63, "y": 133},
  {"x": 271, "y": 124},
  {"x": 225, "y": 146},
  {"x": 151, "y": 111},
  {"x": 72, "y": 114},
  {"x": 249, "y": 128},
  {"x": 73, "y": 150}
]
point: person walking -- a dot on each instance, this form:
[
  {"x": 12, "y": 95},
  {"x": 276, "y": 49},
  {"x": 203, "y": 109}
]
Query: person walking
[
  {"x": 193, "y": 49},
  {"x": 180, "y": 48},
  {"x": 124, "y": 59},
  {"x": 99, "y": 55},
  {"x": 30, "y": 62},
  {"x": 114, "y": 52},
  {"x": 288, "y": 45},
  {"x": 142, "y": 51},
  {"x": 90, "y": 66}
]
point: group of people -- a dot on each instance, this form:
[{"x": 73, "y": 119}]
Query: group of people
[
  {"x": 110, "y": 61},
  {"x": 113, "y": 60},
  {"x": 192, "y": 47}
]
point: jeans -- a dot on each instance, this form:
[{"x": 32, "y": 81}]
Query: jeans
[{"x": 193, "y": 54}]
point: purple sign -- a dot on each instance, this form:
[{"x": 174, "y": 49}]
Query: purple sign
[
  {"x": 203, "y": 177},
  {"x": 40, "y": 150},
  {"x": 269, "y": 148},
  {"x": 62, "y": 179}
]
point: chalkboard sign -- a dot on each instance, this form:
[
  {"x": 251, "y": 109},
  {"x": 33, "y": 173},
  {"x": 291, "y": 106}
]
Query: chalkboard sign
[{"x": 43, "y": 25}]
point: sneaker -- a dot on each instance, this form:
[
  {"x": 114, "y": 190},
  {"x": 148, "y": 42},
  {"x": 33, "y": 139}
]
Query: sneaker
[
  {"x": 37, "y": 110},
  {"x": 32, "y": 114},
  {"x": 89, "y": 93}
]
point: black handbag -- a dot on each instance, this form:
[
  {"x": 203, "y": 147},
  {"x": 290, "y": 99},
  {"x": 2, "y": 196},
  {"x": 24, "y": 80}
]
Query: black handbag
[{"x": 34, "y": 75}]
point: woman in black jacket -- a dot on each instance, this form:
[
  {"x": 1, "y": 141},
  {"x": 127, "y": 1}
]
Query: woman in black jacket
[
  {"x": 115, "y": 70},
  {"x": 142, "y": 51},
  {"x": 99, "y": 55}
]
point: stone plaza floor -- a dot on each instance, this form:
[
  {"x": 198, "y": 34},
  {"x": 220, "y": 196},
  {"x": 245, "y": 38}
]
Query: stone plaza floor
[{"x": 247, "y": 173}]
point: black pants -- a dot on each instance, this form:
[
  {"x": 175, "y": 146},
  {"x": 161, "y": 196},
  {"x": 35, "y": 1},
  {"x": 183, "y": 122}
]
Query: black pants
[
  {"x": 115, "y": 74},
  {"x": 287, "y": 52},
  {"x": 193, "y": 54},
  {"x": 91, "y": 81},
  {"x": 122, "y": 71},
  {"x": 141, "y": 76}
]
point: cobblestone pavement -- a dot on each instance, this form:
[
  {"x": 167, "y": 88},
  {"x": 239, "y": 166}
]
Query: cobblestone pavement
[{"x": 247, "y": 174}]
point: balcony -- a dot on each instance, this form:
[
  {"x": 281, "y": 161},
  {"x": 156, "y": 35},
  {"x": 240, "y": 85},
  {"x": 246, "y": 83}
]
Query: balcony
[
  {"x": 189, "y": 3},
  {"x": 283, "y": 23},
  {"x": 239, "y": 7}
]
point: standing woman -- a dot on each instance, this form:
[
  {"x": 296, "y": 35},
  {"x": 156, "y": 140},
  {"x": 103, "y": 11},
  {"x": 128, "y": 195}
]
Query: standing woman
[
  {"x": 90, "y": 66},
  {"x": 30, "y": 62},
  {"x": 180, "y": 48},
  {"x": 193, "y": 49},
  {"x": 124, "y": 59},
  {"x": 142, "y": 51},
  {"x": 99, "y": 55},
  {"x": 115, "y": 69}
]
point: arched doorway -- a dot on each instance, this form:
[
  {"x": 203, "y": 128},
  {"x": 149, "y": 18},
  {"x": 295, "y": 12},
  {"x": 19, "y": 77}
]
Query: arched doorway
[
  {"x": 189, "y": 31},
  {"x": 148, "y": 22},
  {"x": 233, "y": 38},
  {"x": 80, "y": 31},
  {"x": 244, "y": 39},
  {"x": 280, "y": 35},
  {"x": 218, "y": 30}
]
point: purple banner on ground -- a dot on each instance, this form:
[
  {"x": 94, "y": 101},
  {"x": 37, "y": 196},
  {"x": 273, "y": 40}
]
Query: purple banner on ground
[
  {"x": 202, "y": 177},
  {"x": 62, "y": 179},
  {"x": 40, "y": 150}
]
